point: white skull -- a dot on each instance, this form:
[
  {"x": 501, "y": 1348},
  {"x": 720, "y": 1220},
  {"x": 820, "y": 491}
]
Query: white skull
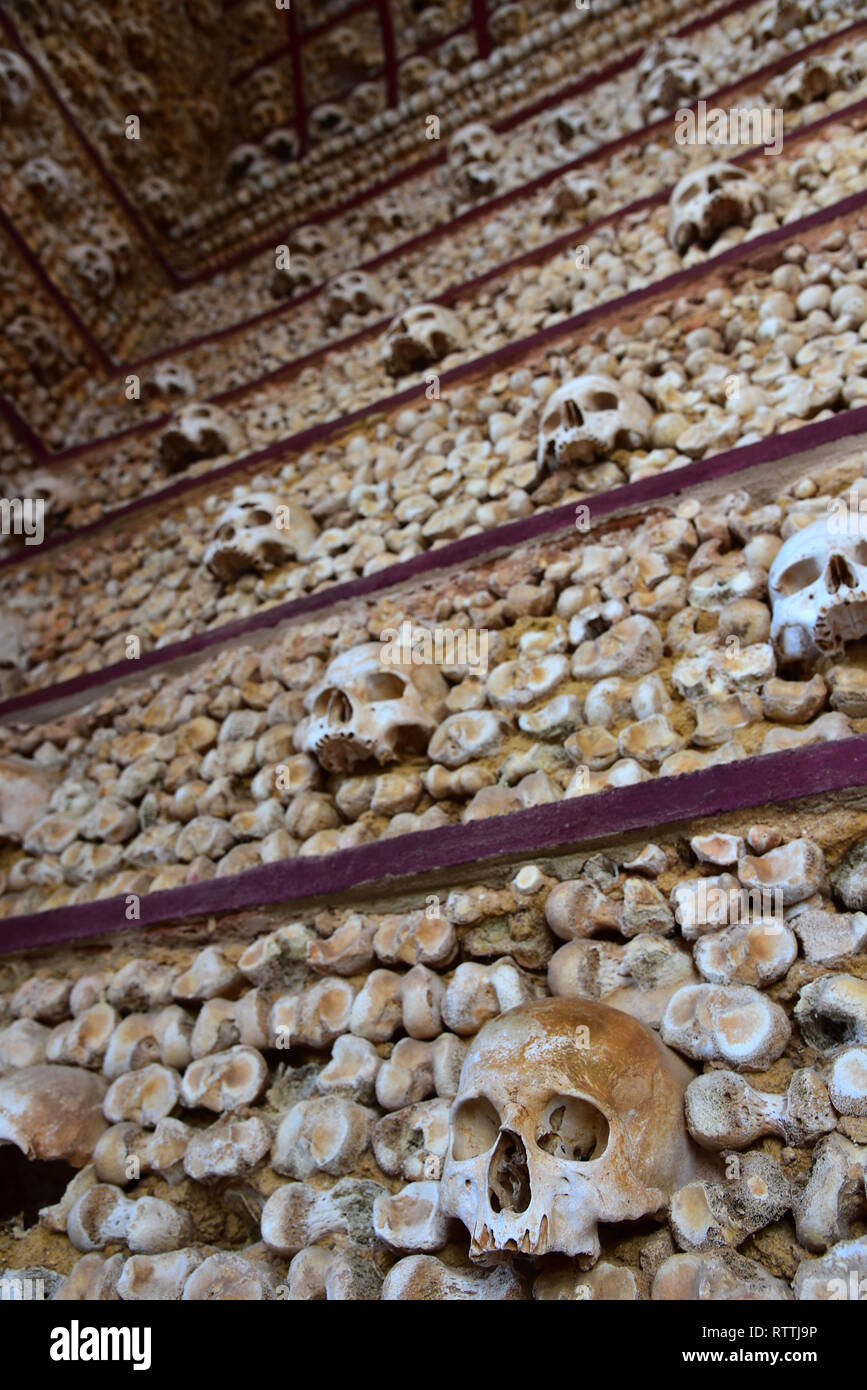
[
  {"x": 814, "y": 79},
  {"x": 169, "y": 379},
  {"x": 667, "y": 73},
  {"x": 308, "y": 239},
  {"x": 818, "y": 590},
  {"x": 199, "y": 431},
  {"x": 282, "y": 144},
  {"x": 568, "y": 1113},
  {"x": 159, "y": 199},
  {"x": 473, "y": 142},
  {"x": 245, "y": 162},
  {"x": 253, "y": 534},
  {"x": 16, "y": 85},
  {"x": 572, "y": 193},
  {"x": 364, "y": 708},
  {"x": 46, "y": 179},
  {"x": 706, "y": 201},
  {"x": 299, "y": 275},
  {"x": 329, "y": 119},
  {"x": 777, "y": 18},
  {"x": 419, "y": 336},
  {"x": 589, "y": 417},
  {"x": 94, "y": 268},
  {"x": 355, "y": 292}
]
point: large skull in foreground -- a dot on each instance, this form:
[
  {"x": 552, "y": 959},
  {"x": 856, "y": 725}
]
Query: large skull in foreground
[
  {"x": 706, "y": 201},
  {"x": 591, "y": 416},
  {"x": 259, "y": 532},
  {"x": 365, "y": 709},
  {"x": 420, "y": 336},
  {"x": 568, "y": 1113},
  {"x": 818, "y": 590}
]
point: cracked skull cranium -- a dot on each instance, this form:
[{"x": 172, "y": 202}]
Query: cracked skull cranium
[
  {"x": 818, "y": 590},
  {"x": 589, "y": 417},
  {"x": 366, "y": 709},
  {"x": 419, "y": 336},
  {"x": 259, "y": 533},
  {"x": 568, "y": 1113},
  {"x": 706, "y": 201}
]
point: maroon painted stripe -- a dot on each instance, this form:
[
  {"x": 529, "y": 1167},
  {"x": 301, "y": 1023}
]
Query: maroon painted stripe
[
  {"x": 57, "y": 297},
  {"x": 480, "y": 23},
  {"x": 467, "y": 552},
  {"x": 21, "y": 430},
  {"x": 770, "y": 778}
]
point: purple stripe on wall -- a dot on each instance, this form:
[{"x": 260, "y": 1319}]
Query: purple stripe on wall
[{"x": 539, "y": 831}]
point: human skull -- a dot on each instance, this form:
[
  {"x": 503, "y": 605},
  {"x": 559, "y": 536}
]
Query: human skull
[
  {"x": 818, "y": 590},
  {"x": 777, "y": 18},
  {"x": 589, "y": 417},
  {"x": 355, "y": 292},
  {"x": 282, "y": 144},
  {"x": 169, "y": 379},
  {"x": 667, "y": 72},
  {"x": 94, "y": 268},
  {"x": 159, "y": 199},
  {"x": 46, "y": 180},
  {"x": 573, "y": 193},
  {"x": 245, "y": 162},
  {"x": 706, "y": 201},
  {"x": 16, "y": 85},
  {"x": 307, "y": 240},
  {"x": 199, "y": 431},
  {"x": 366, "y": 709},
  {"x": 568, "y": 1113},
  {"x": 473, "y": 142},
  {"x": 365, "y": 101},
  {"x": 299, "y": 275},
  {"x": 329, "y": 119},
  {"x": 419, "y": 336},
  {"x": 814, "y": 79},
  {"x": 251, "y": 535}
]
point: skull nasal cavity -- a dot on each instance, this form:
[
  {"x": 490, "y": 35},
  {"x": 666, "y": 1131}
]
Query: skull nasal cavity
[
  {"x": 839, "y": 575},
  {"x": 508, "y": 1175}
]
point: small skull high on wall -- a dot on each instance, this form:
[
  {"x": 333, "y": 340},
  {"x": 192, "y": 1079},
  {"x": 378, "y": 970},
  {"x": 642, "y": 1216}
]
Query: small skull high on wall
[
  {"x": 589, "y": 417},
  {"x": 250, "y": 536},
  {"x": 568, "y": 1114},
  {"x": 364, "y": 709},
  {"x": 818, "y": 590},
  {"x": 708, "y": 200},
  {"x": 420, "y": 336}
]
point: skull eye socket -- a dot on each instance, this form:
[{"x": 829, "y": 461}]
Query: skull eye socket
[
  {"x": 384, "y": 686},
  {"x": 475, "y": 1126},
  {"x": 260, "y": 516},
  {"x": 603, "y": 400},
  {"x": 798, "y": 576},
  {"x": 334, "y": 704},
  {"x": 573, "y": 1129},
  {"x": 692, "y": 190}
]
